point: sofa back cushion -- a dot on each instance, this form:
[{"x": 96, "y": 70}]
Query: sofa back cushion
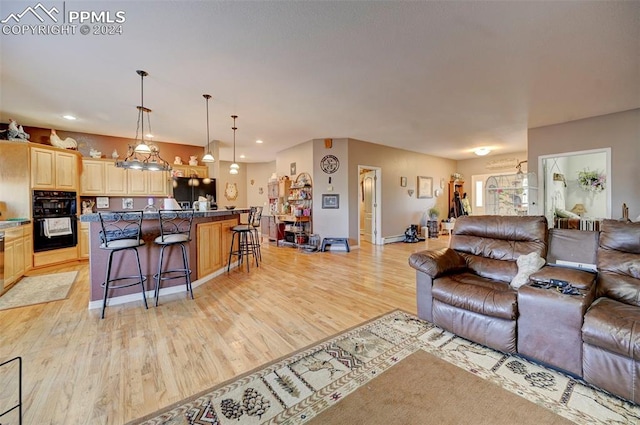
[
  {"x": 576, "y": 246},
  {"x": 491, "y": 244},
  {"x": 619, "y": 261}
]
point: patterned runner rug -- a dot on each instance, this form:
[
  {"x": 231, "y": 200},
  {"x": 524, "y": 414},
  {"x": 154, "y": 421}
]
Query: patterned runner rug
[
  {"x": 38, "y": 289},
  {"x": 350, "y": 378}
]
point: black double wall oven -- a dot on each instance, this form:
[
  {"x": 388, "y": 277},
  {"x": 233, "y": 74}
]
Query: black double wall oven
[{"x": 55, "y": 224}]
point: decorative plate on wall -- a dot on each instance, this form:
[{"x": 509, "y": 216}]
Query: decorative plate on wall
[
  {"x": 329, "y": 164},
  {"x": 231, "y": 191}
]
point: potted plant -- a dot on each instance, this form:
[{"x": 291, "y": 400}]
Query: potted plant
[{"x": 433, "y": 213}]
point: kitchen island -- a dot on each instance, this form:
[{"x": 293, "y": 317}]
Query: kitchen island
[{"x": 207, "y": 252}]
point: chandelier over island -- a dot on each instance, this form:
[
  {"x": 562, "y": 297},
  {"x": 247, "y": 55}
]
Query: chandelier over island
[{"x": 143, "y": 156}]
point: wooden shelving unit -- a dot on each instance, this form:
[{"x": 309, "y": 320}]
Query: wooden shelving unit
[{"x": 298, "y": 221}]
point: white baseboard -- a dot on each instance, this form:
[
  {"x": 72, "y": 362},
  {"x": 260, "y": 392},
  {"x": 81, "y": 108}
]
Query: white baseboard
[
  {"x": 123, "y": 299},
  {"x": 392, "y": 239}
]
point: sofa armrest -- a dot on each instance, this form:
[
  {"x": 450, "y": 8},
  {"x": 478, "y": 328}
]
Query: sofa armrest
[{"x": 435, "y": 263}]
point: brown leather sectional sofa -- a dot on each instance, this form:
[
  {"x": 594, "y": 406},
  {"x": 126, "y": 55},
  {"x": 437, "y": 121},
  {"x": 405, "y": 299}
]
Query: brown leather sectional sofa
[{"x": 588, "y": 326}]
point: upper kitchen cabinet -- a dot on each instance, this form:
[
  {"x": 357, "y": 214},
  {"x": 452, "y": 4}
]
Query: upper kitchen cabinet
[
  {"x": 103, "y": 178},
  {"x": 93, "y": 177},
  {"x": 54, "y": 169},
  {"x": 147, "y": 183},
  {"x": 116, "y": 180}
]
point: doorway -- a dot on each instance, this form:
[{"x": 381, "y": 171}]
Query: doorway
[
  {"x": 563, "y": 193},
  {"x": 369, "y": 210}
]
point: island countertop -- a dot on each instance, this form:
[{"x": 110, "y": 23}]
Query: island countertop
[
  {"x": 207, "y": 251},
  {"x": 150, "y": 215}
]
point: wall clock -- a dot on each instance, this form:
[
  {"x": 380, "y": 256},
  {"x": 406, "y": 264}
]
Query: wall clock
[
  {"x": 329, "y": 164},
  {"x": 231, "y": 191}
]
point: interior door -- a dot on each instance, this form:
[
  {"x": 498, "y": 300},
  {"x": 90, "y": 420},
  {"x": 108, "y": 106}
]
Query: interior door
[{"x": 369, "y": 195}]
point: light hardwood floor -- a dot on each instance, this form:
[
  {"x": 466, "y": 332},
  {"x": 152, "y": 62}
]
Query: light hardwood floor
[{"x": 82, "y": 370}]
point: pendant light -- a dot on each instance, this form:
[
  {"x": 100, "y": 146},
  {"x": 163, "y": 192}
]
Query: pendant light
[
  {"x": 208, "y": 157},
  {"x": 142, "y": 146},
  {"x": 233, "y": 169}
]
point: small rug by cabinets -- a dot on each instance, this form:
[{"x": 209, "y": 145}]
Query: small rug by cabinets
[
  {"x": 399, "y": 369},
  {"x": 38, "y": 289}
]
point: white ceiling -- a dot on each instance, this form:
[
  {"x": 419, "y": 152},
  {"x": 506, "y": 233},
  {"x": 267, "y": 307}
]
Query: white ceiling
[{"x": 439, "y": 78}]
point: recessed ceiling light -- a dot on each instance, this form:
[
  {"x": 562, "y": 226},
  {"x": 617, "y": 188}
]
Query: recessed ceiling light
[
  {"x": 149, "y": 135},
  {"x": 482, "y": 151},
  {"x": 241, "y": 156},
  {"x": 259, "y": 141},
  {"x": 69, "y": 117}
]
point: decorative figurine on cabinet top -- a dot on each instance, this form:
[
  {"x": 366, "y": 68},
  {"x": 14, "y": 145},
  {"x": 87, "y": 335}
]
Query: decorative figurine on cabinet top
[
  {"x": 16, "y": 132},
  {"x": 67, "y": 143},
  {"x": 193, "y": 160}
]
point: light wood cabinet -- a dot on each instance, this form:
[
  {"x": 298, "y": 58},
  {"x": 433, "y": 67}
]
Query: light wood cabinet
[
  {"x": 227, "y": 237},
  {"x": 14, "y": 256},
  {"x": 213, "y": 239},
  {"x": 54, "y": 170},
  {"x": 103, "y": 178},
  {"x": 144, "y": 183},
  {"x": 83, "y": 240},
  {"x": 137, "y": 182},
  {"x": 28, "y": 246},
  {"x": 93, "y": 177},
  {"x": 209, "y": 239},
  {"x": 158, "y": 183},
  {"x": 190, "y": 170},
  {"x": 116, "y": 181}
]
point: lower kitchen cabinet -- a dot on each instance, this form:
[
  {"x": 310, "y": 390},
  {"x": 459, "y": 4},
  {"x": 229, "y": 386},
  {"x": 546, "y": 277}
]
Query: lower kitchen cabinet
[
  {"x": 16, "y": 255},
  {"x": 83, "y": 240},
  {"x": 213, "y": 241}
]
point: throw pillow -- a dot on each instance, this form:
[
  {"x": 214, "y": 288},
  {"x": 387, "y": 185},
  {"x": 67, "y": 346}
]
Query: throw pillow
[
  {"x": 565, "y": 214},
  {"x": 527, "y": 265}
]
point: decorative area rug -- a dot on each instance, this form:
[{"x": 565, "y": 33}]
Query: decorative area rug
[
  {"x": 400, "y": 369},
  {"x": 38, "y": 289}
]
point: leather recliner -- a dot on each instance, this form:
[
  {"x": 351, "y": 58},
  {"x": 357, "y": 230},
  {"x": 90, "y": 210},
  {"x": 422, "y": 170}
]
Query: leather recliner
[
  {"x": 611, "y": 329},
  {"x": 465, "y": 288}
]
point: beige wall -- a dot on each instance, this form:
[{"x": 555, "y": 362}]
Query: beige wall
[
  {"x": 239, "y": 179},
  {"x": 257, "y": 178},
  {"x": 333, "y": 222},
  {"x": 301, "y": 154},
  {"x": 619, "y": 131},
  {"x": 398, "y": 208}
]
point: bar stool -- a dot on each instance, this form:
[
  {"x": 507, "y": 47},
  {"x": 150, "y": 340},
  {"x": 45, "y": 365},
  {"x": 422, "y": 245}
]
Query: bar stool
[
  {"x": 175, "y": 229},
  {"x": 246, "y": 246},
  {"x": 255, "y": 231},
  {"x": 121, "y": 232}
]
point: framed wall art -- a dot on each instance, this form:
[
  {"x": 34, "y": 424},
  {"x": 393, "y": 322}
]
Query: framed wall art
[
  {"x": 425, "y": 187},
  {"x": 331, "y": 201}
]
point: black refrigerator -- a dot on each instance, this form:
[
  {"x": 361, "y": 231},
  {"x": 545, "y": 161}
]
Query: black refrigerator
[{"x": 190, "y": 189}]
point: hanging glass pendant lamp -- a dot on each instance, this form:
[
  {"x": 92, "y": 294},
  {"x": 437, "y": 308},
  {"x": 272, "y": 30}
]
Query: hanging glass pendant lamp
[
  {"x": 208, "y": 156},
  {"x": 233, "y": 168}
]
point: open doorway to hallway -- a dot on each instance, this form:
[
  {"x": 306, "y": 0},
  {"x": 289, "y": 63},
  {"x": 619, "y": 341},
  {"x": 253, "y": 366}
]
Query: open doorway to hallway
[{"x": 369, "y": 205}]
